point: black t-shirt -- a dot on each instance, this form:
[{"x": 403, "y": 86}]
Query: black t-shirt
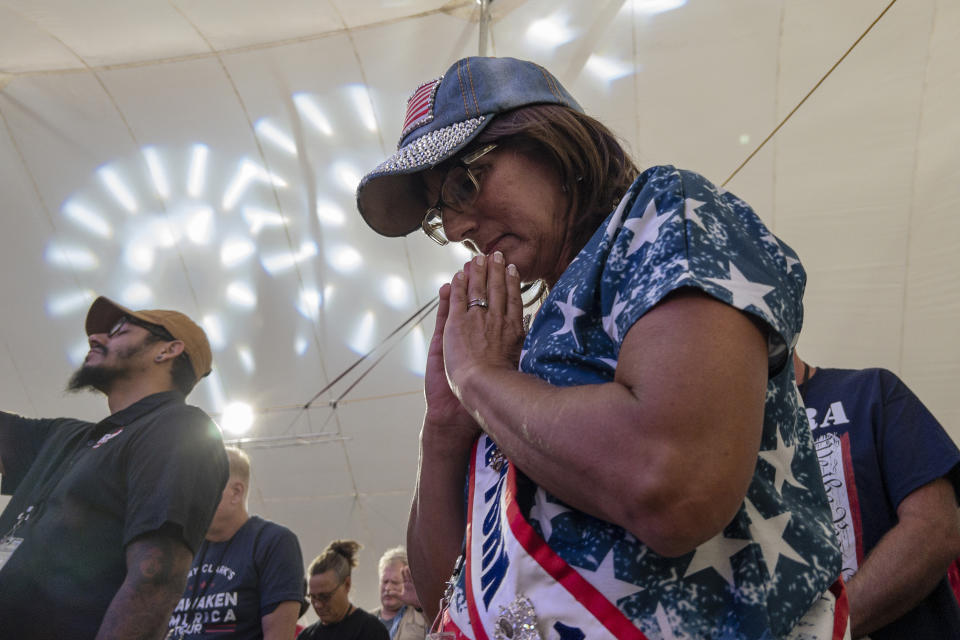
[
  {"x": 233, "y": 584},
  {"x": 94, "y": 488},
  {"x": 359, "y": 625}
]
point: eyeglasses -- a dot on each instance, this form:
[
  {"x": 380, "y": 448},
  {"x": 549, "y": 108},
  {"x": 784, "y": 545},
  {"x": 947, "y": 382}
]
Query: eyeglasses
[
  {"x": 323, "y": 598},
  {"x": 460, "y": 189},
  {"x": 154, "y": 329}
]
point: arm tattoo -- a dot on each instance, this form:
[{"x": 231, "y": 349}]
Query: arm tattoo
[{"x": 157, "y": 566}]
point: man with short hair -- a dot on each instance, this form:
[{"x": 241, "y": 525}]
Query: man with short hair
[
  {"x": 246, "y": 581},
  {"x": 892, "y": 475},
  {"x": 399, "y": 609},
  {"x": 105, "y": 517}
]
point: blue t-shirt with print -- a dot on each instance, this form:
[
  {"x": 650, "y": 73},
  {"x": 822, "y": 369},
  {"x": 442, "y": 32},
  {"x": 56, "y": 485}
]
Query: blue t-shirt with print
[
  {"x": 778, "y": 555},
  {"x": 233, "y": 584},
  {"x": 877, "y": 444}
]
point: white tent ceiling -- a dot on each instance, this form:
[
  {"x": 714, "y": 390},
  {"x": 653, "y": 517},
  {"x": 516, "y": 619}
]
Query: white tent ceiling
[{"x": 202, "y": 155}]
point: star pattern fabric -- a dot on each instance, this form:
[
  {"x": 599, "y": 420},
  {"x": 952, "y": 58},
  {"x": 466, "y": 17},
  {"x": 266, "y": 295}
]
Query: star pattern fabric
[
  {"x": 570, "y": 313},
  {"x": 757, "y": 578},
  {"x": 717, "y": 554},
  {"x": 745, "y": 293}
]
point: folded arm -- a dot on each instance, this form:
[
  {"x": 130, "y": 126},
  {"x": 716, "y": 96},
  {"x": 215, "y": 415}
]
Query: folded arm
[{"x": 669, "y": 447}]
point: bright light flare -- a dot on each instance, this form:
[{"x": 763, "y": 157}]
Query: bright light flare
[
  {"x": 241, "y": 295},
  {"x": 363, "y": 103},
  {"x": 68, "y": 257},
  {"x": 214, "y": 330},
  {"x": 550, "y": 32},
  {"x": 200, "y": 226},
  {"x": 417, "y": 356},
  {"x": 309, "y": 110},
  {"x": 607, "y": 69},
  {"x": 330, "y": 214},
  {"x": 118, "y": 189},
  {"x": 309, "y": 303},
  {"x": 157, "y": 172},
  {"x": 66, "y": 303},
  {"x": 300, "y": 345},
  {"x": 347, "y": 175},
  {"x": 236, "y": 251},
  {"x": 237, "y": 418},
  {"x": 246, "y": 358},
  {"x": 161, "y": 233},
  {"x": 269, "y": 131},
  {"x": 137, "y": 294},
  {"x": 139, "y": 256},
  {"x": 247, "y": 173},
  {"x": 653, "y": 7},
  {"x": 258, "y": 218},
  {"x": 362, "y": 338},
  {"x": 197, "y": 177},
  {"x": 88, "y": 219},
  {"x": 280, "y": 262},
  {"x": 396, "y": 292},
  {"x": 345, "y": 259}
]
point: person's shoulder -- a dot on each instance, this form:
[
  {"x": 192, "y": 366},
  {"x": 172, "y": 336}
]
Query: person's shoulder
[
  {"x": 189, "y": 419},
  {"x": 272, "y": 529},
  {"x": 858, "y": 376},
  {"x": 372, "y": 626},
  {"x": 310, "y": 632}
]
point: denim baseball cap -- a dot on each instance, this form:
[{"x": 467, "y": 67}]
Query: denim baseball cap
[{"x": 442, "y": 117}]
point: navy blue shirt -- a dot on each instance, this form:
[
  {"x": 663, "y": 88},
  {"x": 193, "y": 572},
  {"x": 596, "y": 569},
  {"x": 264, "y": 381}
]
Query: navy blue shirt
[
  {"x": 233, "y": 584},
  {"x": 94, "y": 488},
  {"x": 877, "y": 443}
]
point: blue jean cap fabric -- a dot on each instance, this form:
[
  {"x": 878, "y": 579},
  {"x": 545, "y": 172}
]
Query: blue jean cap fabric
[{"x": 442, "y": 117}]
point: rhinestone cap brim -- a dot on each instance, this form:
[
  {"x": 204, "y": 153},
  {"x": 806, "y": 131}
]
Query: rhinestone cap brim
[{"x": 393, "y": 207}]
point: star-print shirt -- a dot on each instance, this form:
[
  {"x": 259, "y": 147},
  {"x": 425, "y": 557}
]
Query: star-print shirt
[{"x": 763, "y": 572}]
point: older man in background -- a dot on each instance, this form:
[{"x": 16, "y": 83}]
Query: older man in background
[
  {"x": 399, "y": 609},
  {"x": 246, "y": 581}
]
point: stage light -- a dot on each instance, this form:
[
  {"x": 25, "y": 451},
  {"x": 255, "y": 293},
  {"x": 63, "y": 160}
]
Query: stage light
[{"x": 237, "y": 418}]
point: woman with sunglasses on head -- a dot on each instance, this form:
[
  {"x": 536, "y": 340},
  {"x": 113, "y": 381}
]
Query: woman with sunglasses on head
[
  {"x": 328, "y": 590},
  {"x": 637, "y": 465}
]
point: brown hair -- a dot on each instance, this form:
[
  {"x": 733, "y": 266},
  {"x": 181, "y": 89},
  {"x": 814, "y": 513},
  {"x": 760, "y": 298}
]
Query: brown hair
[
  {"x": 340, "y": 555},
  {"x": 594, "y": 168}
]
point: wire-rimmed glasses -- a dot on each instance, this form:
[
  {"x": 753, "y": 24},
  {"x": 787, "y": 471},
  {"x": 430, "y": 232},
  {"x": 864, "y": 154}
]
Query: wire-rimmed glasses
[{"x": 460, "y": 189}]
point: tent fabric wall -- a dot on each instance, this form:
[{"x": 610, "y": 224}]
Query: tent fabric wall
[{"x": 862, "y": 181}]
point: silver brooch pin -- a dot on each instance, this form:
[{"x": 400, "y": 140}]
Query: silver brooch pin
[{"x": 517, "y": 621}]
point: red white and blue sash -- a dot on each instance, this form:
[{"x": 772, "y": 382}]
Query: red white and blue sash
[
  {"x": 509, "y": 566},
  {"x": 517, "y": 587}
]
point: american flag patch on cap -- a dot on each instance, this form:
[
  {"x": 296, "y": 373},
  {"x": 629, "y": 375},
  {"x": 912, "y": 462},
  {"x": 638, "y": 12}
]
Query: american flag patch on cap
[{"x": 420, "y": 107}]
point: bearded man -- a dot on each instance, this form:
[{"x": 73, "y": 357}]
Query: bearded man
[{"x": 105, "y": 517}]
